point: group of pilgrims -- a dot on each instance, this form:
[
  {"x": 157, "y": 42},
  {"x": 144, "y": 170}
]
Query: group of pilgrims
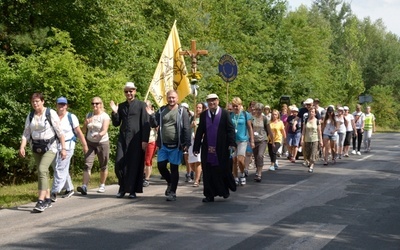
[{"x": 216, "y": 144}]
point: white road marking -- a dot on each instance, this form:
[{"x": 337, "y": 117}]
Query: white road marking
[{"x": 265, "y": 196}]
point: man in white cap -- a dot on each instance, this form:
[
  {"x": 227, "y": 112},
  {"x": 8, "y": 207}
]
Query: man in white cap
[
  {"x": 134, "y": 130},
  {"x": 215, "y": 136},
  {"x": 173, "y": 139},
  {"x": 69, "y": 124}
]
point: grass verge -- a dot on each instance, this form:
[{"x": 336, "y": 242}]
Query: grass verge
[{"x": 16, "y": 195}]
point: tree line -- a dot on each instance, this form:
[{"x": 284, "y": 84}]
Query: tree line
[{"x": 86, "y": 48}]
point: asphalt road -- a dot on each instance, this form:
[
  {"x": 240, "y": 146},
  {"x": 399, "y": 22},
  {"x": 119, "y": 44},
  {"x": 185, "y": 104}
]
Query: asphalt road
[{"x": 353, "y": 204}]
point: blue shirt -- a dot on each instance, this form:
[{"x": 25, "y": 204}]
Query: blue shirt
[{"x": 239, "y": 122}]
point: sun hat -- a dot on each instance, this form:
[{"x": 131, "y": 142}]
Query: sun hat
[
  {"x": 309, "y": 101},
  {"x": 129, "y": 85},
  {"x": 212, "y": 96}
]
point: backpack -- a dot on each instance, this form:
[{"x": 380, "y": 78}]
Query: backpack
[
  {"x": 72, "y": 126},
  {"x": 265, "y": 121}
]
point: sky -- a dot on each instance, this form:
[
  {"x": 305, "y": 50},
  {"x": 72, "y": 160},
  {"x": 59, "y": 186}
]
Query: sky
[{"x": 387, "y": 10}]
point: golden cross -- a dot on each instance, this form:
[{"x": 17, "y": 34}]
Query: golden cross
[{"x": 193, "y": 53}]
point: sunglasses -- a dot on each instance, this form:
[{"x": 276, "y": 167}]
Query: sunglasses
[
  {"x": 95, "y": 103},
  {"x": 128, "y": 91}
]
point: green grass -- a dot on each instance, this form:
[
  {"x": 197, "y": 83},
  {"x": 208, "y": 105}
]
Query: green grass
[
  {"x": 387, "y": 130},
  {"x": 16, "y": 195}
]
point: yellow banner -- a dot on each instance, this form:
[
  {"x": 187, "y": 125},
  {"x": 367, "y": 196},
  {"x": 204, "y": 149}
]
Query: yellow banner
[{"x": 171, "y": 71}]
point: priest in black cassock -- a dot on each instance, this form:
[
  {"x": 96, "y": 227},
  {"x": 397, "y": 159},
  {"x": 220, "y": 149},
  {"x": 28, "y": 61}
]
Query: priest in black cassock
[
  {"x": 134, "y": 132},
  {"x": 216, "y": 137}
]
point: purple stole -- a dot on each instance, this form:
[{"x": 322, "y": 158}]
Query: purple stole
[{"x": 212, "y": 129}]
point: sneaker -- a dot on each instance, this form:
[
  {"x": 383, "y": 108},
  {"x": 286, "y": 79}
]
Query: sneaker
[
  {"x": 47, "y": 203},
  {"x": 102, "y": 189},
  {"x": 272, "y": 168},
  {"x": 192, "y": 175},
  {"x": 82, "y": 190},
  {"x": 146, "y": 183},
  {"x": 305, "y": 164},
  {"x": 358, "y": 153},
  {"x": 368, "y": 150},
  {"x": 171, "y": 196},
  {"x": 188, "y": 179},
  {"x": 168, "y": 190},
  {"x": 353, "y": 152},
  {"x": 242, "y": 181},
  {"x": 40, "y": 206},
  {"x": 346, "y": 155},
  {"x": 237, "y": 181},
  {"x": 53, "y": 197},
  {"x": 68, "y": 193},
  {"x": 276, "y": 165},
  {"x": 246, "y": 172}
]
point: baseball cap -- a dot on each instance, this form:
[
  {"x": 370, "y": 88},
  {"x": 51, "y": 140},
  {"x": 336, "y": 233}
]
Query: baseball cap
[{"x": 62, "y": 99}]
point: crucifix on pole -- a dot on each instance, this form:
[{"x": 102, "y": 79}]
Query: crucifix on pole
[{"x": 193, "y": 53}]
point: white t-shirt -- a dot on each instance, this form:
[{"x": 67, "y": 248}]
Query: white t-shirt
[
  {"x": 330, "y": 127},
  {"x": 95, "y": 125},
  {"x": 342, "y": 127},
  {"x": 67, "y": 130},
  {"x": 349, "y": 118},
  {"x": 40, "y": 128},
  {"x": 358, "y": 119}
]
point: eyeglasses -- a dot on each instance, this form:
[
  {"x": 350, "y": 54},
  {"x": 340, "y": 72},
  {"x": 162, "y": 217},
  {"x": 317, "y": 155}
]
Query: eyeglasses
[
  {"x": 128, "y": 91},
  {"x": 96, "y": 103}
]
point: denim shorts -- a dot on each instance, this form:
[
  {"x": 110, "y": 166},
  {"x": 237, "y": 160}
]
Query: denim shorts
[
  {"x": 293, "y": 139},
  {"x": 330, "y": 137}
]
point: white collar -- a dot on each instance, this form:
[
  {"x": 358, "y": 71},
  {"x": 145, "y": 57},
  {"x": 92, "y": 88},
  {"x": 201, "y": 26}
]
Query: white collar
[{"x": 216, "y": 112}]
